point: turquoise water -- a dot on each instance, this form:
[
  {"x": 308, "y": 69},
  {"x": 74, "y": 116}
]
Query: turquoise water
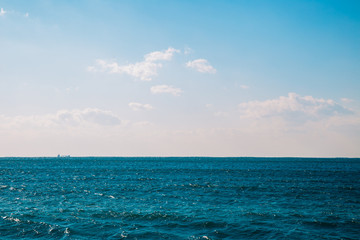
[{"x": 179, "y": 198}]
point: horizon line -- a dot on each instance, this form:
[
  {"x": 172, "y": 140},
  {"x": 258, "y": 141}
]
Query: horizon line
[{"x": 194, "y": 156}]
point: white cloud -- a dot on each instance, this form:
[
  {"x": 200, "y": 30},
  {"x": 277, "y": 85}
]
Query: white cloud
[
  {"x": 201, "y": 65},
  {"x": 139, "y": 106},
  {"x": 13, "y": 13},
  {"x": 2, "y": 12},
  {"x": 144, "y": 70},
  {"x": 293, "y": 107},
  {"x": 161, "y": 55},
  {"x": 166, "y": 89}
]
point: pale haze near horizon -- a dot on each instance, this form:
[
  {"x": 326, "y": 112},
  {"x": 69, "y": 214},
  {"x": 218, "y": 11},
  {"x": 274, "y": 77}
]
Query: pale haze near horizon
[{"x": 180, "y": 78}]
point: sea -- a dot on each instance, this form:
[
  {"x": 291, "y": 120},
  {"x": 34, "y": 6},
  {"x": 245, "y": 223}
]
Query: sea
[{"x": 179, "y": 198}]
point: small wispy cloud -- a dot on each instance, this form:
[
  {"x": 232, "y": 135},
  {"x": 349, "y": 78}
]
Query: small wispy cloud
[
  {"x": 144, "y": 70},
  {"x": 165, "y": 89},
  {"x": 139, "y": 106},
  {"x": 201, "y": 65},
  {"x": 244, "y": 87},
  {"x": 64, "y": 118},
  {"x": 346, "y": 100},
  {"x": 2, "y": 12},
  {"x": 13, "y": 13},
  {"x": 88, "y": 115}
]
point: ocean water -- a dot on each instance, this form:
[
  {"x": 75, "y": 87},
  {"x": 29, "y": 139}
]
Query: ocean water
[{"x": 179, "y": 198}]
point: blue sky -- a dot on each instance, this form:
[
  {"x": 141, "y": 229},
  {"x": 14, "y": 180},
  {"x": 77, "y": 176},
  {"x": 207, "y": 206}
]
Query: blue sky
[{"x": 180, "y": 78}]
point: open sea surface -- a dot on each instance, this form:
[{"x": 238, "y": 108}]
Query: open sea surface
[{"x": 179, "y": 198}]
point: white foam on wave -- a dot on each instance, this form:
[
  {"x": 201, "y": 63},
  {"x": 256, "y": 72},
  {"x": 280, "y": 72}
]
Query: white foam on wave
[
  {"x": 11, "y": 219},
  {"x": 124, "y": 234}
]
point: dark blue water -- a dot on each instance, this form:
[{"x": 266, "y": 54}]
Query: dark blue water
[{"x": 179, "y": 198}]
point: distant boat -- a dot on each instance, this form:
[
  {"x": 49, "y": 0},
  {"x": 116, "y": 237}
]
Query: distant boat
[{"x": 63, "y": 156}]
